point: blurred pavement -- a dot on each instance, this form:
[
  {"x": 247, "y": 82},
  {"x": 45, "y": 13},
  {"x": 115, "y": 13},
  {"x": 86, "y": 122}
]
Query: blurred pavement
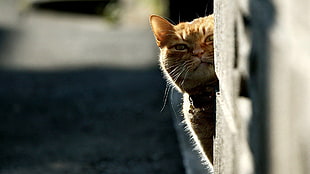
[{"x": 79, "y": 96}]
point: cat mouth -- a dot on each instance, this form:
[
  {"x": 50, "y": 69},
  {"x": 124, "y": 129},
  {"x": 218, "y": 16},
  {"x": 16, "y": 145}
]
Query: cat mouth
[
  {"x": 201, "y": 63},
  {"x": 206, "y": 62}
]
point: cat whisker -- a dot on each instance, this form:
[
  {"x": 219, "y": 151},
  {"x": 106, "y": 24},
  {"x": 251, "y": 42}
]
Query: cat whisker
[
  {"x": 206, "y": 9},
  {"x": 178, "y": 75},
  {"x": 167, "y": 90},
  {"x": 175, "y": 70},
  {"x": 178, "y": 67},
  {"x": 186, "y": 68},
  {"x": 189, "y": 65},
  {"x": 168, "y": 66},
  {"x": 184, "y": 78}
]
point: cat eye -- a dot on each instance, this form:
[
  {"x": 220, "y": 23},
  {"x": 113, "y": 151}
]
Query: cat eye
[
  {"x": 180, "y": 47},
  {"x": 209, "y": 38}
]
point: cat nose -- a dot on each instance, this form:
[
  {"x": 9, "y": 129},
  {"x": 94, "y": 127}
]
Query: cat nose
[{"x": 198, "y": 52}]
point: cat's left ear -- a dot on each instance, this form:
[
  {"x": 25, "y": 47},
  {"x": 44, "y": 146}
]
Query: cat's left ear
[{"x": 161, "y": 29}]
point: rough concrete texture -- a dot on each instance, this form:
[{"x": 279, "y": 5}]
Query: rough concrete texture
[
  {"x": 225, "y": 144},
  {"x": 267, "y": 43},
  {"x": 232, "y": 153}
]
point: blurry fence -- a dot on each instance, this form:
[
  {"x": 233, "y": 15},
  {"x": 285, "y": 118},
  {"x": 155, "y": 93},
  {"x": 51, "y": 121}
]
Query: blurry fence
[{"x": 265, "y": 46}]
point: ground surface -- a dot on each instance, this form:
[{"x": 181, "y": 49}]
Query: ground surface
[
  {"x": 87, "y": 121},
  {"x": 80, "y": 97}
]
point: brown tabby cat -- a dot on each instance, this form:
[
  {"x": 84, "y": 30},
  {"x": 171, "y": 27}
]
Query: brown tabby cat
[{"x": 187, "y": 60}]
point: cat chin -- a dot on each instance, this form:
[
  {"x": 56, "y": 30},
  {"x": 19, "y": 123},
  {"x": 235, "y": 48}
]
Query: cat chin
[
  {"x": 189, "y": 85},
  {"x": 201, "y": 76},
  {"x": 204, "y": 72},
  {"x": 203, "y": 68}
]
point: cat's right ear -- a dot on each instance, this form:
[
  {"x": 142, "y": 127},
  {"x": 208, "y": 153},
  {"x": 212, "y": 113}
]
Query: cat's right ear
[{"x": 161, "y": 29}]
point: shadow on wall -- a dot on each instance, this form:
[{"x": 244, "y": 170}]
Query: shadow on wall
[{"x": 259, "y": 62}]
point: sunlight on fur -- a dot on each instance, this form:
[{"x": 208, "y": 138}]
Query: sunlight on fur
[{"x": 187, "y": 60}]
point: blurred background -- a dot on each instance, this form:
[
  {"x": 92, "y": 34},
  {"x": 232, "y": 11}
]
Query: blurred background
[{"x": 80, "y": 88}]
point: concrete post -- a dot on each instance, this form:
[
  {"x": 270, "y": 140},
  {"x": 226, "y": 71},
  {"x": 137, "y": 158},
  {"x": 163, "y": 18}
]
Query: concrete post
[{"x": 266, "y": 42}]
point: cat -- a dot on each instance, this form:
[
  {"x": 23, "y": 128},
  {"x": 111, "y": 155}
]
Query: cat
[{"x": 187, "y": 61}]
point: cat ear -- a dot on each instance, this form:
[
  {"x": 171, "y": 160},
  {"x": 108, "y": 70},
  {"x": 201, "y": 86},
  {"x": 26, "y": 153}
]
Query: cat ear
[{"x": 161, "y": 28}]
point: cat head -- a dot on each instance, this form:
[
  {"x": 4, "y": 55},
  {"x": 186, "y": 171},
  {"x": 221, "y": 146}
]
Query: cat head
[{"x": 187, "y": 53}]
